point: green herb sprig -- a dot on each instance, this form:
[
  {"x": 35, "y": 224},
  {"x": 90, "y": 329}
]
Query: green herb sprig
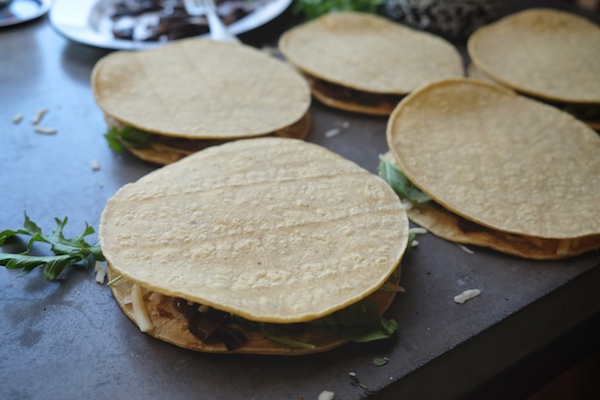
[
  {"x": 315, "y": 8},
  {"x": 400, "y": 183},
  {"x": 360, "y": 322},
  {"x": 129, "y": 137},
  {"x": 67, "y": 252}
]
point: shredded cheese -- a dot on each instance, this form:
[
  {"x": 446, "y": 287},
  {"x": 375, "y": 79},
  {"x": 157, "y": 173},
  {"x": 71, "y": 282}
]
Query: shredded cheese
[
  {"x": 326, "y": 395},
  {"x": 466, "y": 295},
  {"x": 155, "y": 296},
  {"x": 539, "y": 242},
  {"x": 465, "y": 248},
  {"x": 562, "y": 249},
  {"x": 100, "y": 269},
  {"x": 139, "y": 309},
  {"x": 95, "y": 165},
  {"x": 203, "y": 308},
  {"x": 392, "y": 287},
  {"x": 39, "y": 115},
  {"x": 332, "y": 132},
  {"x": 17, "y": 118},
  {"x": 45, "y": 131}
]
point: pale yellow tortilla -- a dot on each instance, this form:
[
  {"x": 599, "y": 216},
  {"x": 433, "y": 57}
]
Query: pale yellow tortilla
[
  {"x": 477, "y": 73},
  {"x": 447, "y": 225},
  {"x": 545, "y": 53},
  {"x": 273, "y": 230},
  {"x": 172, "y": 327},
  {"x": 200, "y": 89},
  {"x": 369, "y": 53},
  {"x": 503, "y": 161}
]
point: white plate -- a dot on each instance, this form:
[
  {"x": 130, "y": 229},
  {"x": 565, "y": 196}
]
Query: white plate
[
  {"x": 20, "y": 11},
  {"x": 88, "y": 22}
]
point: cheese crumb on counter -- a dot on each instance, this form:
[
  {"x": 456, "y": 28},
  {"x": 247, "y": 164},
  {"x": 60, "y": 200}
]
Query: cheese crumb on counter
[
  {"x": 39, "y": 115},
  {"x": 465, "y": 248},
  {"x": 467, "y": 295},
  {"x": 45, "y": 131},
  {"x": 17, "y": 118},
  {"x": 332, "y": 132},
  {"x": 101, "y": 272},
  {"x": 95, "y": 165},
  {"x": 326, "y": 395}
]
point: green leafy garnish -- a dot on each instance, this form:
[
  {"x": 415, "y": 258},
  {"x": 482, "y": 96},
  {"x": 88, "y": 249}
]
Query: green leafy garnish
[
  {"x": 129, "y": 137},
  {"x": 315, "y": 8},
  {"x": 279, "y": 339},
  {"x": 67, "y": 252},
  {"x": 400, "y": 183},
  {"x": 360, "y": 322},
  {"x": 380, "y": 361}
]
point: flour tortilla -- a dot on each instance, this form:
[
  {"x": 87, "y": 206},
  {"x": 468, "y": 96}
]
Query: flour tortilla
[
  {"x": 368, "y": 53},
  {"x": 272, "y": 230},
  {"x": 544, "y": 53},
  {"x": 199, "y": 89},
  {"x": 507, "y": 163}
]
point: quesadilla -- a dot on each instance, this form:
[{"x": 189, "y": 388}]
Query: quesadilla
[
  {"x": 546, "y": 54},
  {"x": 266, "y": 246},
  {"x": 365, "y": 63},
  {"x": 165, "y": 103},
  {"x": 478, "y": 164}
]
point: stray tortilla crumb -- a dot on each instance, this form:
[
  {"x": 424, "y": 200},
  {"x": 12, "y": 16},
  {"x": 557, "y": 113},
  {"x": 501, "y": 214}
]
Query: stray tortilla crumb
[
  {"x": 39, "y": 115},
  {"x": 17, "y": 118},
  {"x": 466, "y": 295},
  {"x": 45, "y": 131}
]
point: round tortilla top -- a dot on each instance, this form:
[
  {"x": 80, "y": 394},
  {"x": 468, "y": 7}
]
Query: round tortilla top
[
  {"x": 201, "y": 89},
  {"x": 369, "y": 53},
  {"x": 541, "y": 52},
  {"x": 498, "y": 159},
  {"x": 270, "y": 229}
]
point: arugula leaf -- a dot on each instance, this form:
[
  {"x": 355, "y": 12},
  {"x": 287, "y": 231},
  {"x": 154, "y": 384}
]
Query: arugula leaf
[
  {"x": 279, "y": 339},
  {"x": 400, "y": 183},
  {"x": 67, "y": 252},
  {"x": 360, "y": 322},
  {"x": 380, "y": 361},
  {"x": 127, "y": 136},
  {"x": 315, "y": 8}
]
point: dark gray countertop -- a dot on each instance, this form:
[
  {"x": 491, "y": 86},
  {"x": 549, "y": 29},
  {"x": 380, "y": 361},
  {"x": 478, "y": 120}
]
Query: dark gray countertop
[{"x": 68, "y": 339}]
